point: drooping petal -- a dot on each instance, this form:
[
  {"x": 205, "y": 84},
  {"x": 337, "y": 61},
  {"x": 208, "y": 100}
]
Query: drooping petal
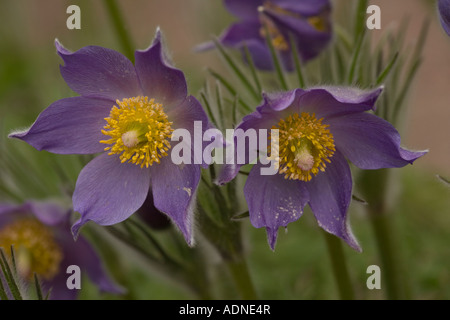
[
  {"x": 98, "y": 72},
  {"x": 370, "y": 142},
  {"x": 444, "y": 14},
  {"x": 174, "y": 191},
  {"x": 247, "y": 10},
  {"x": 158, "y": 79},
  {"x": 330, "y": 194},
  {"x": 108, "y": 191},
  {"x": 273, "y": 201},
  {"x": 69, "y": 126}
]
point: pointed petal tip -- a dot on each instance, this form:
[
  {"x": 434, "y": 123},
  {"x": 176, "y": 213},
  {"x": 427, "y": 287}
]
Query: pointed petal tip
[
  {"x": 272, "y": 238},
  {"x": 76, "y": 228}
]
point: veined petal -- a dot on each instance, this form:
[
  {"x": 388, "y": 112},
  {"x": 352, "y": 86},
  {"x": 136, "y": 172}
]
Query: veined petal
[
  {"x": 108, "y": 192},
  {"x": 98, "y": 72},
  {"x": 69, "y": 126},
  {"x": 370, "y": 142},
  {"x": 273, "y": 201},
  {"x": 174, "y": 190},
  {"x": 444, "y": 14},
  {"x": 158, "y": 79},
  {"x": 330, "y": 194}
]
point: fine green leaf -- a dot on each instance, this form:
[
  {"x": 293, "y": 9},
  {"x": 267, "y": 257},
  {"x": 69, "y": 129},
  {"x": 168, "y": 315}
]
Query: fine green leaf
[
  {"x": 383, "y": 75},
  {"x": 230, "y": 89},
  {"x": 276, "y": 61},
  {"x": 298, "y": 67},
  {"x": 241, "y": 76},
  {"x": 37, "y": 285},
  {"x": 9, "y": 277}
]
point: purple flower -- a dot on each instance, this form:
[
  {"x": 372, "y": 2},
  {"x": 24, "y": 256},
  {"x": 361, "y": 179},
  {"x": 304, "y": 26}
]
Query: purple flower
[
  {"x": 127, "y": 113},
  {"x": 308, "y": 21},
  {"x": 444, "y": 14},
  {"x": 319, "y": 130},
  {"x": 43, "y": 244}
]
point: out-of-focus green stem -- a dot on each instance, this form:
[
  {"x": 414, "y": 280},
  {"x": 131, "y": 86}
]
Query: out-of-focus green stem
[
  {"x": 119, "y": 25},
  {"x": 241, "y": 276},
  {"x": 373, "y": 187},
  {"x": 339, "y": 266},
  {"x": 389, "y": 259}
]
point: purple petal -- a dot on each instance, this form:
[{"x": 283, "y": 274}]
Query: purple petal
[
  {"x": 174, "y": 191},
  {"x": 69, "y": 126},
  {"x": 247, "y": 9},
  {"x": 158, "y": 79},
  {"x": 108, "y": 192},
  {"x": 370, "y": 142},
  {"x": 335, "y": 101},
  {"x": 273, "y": 201},
  {"x": 444, "y": 14},
  {"x": 247, "y": 33},
  {"x": 98, "y": 72},
  {"x": 189, "y": 115},
  {"x": 330, "y": 195},
  {"x": 48, "y": 213},
  {"x": 310, "y": 41},
  {"x": 303, "y": 7}
]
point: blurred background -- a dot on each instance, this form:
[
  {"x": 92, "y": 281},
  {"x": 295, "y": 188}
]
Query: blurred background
[{"x": 299, "y": 268}]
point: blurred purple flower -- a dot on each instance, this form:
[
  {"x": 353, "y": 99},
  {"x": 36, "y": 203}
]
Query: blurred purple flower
[
  {"x": 132, "y": 111},
  {"x": 319, "y": 130},
  {"x": 308, "y": 21},
  {"x": 43, "y": 244},
  {"x": 444, "y": 14}
]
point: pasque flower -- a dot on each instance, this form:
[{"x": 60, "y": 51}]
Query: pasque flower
[
  {"x": 43, "y": 244},
  {"x": 127, "y": 113},
  {"x": 318, "y": 131},
  {"x": 306, "y": 21},
  {"x": 444, "y": 14}
]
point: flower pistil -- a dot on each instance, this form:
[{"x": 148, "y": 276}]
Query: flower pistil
[
  {"x": 140, "y": 131},
  {"x": 304, "y": 145}
]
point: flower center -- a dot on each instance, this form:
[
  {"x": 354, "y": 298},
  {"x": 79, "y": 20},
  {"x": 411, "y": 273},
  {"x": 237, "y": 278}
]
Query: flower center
[
  {"x": 140, "y": 131},
  {"x": 279, "y": 41},
  {"x": 304, "y": 145},
  {"x": 34, "y": 246}
]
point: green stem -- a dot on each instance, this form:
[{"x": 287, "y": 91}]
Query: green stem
[
  {"x": 241, "y": 276},
  {"x": 389, "y": 259},
  {"x": 339, "y": 266},
  {"x": 118, "y": 23}
]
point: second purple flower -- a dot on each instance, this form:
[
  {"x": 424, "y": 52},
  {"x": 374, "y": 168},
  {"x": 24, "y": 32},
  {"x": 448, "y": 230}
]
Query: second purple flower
[
  {"x": 127, "y": 113},
  {"x": 306, "y": 21}
]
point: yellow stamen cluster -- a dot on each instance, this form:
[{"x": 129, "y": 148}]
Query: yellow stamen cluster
[
  {"x": 140, "y": 131},
  {"x": 35, "y": 248},
  {"x": 304, "y": 146}
]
